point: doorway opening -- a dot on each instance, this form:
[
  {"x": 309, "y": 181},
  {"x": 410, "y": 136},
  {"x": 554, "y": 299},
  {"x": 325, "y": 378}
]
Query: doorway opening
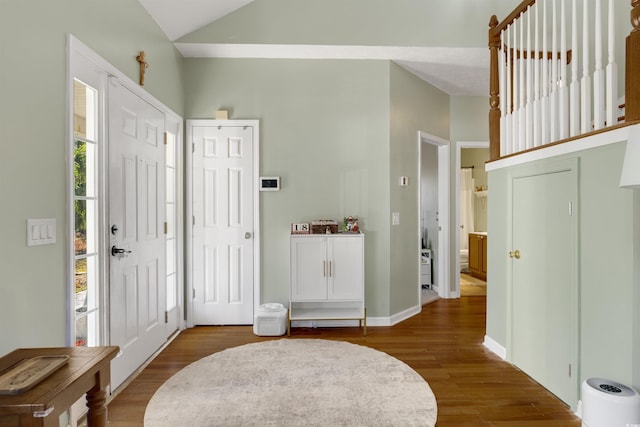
[
  {"x": 471, "y": 190},
  {"x": 433, "y": 251}
]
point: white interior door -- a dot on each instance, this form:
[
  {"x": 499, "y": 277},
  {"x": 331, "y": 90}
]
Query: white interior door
[
  {"x": 223, "y": 223},
  {"x": 544, "y": 334},
  {"x": 136, "y": 219}
]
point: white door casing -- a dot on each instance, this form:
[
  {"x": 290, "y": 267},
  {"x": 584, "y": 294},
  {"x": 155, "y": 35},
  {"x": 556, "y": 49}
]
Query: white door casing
[
  {"x": 456, "y": 263},
  {"x": 543, "y": 336},
  {"x": 223, "y": 235},
  {"x": 136, "y": 218},
  {"x": 441, "y": 254},
  {"x": 174, "y": 227}
]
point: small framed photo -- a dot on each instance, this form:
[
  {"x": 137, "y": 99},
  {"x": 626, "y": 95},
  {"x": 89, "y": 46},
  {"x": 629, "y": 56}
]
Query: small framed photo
[{"x": 300, "y": 228}]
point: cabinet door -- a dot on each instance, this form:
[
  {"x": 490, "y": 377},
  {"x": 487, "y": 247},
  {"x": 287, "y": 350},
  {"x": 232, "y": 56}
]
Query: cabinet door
[
  {"x": 475, "y": 255},
  {"x": 484, "y": 255},
  {"x": 346, "y": 273},
  {"x": 309, "y": 268}
]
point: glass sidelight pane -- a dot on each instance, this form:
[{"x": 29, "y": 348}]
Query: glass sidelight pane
[
  {"x": 80, "y": 241},
  {"x": 85, "y": 191},
  {"x": 85, "y": 226},
  {"x": 84, "y": 168},
  {"x": 80, "y": 295},
  {"x": 84, "y": 111}
]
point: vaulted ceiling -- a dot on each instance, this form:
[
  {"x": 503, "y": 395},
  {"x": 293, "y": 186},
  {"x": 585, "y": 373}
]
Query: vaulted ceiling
[{"x": 459, "y": 71}]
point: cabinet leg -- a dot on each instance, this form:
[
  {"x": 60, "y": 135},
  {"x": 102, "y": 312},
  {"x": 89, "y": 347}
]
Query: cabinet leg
[{"x": 365, "y": 322}]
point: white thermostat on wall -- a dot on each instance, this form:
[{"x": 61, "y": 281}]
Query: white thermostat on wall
[{"x": 269, "y": 183}]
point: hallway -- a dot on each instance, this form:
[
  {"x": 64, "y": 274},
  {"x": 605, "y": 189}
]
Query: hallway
[{"x": 472, "y": 286}]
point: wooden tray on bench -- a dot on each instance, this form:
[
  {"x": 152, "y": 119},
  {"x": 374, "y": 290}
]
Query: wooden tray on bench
[{"x": 29, "y": 372}]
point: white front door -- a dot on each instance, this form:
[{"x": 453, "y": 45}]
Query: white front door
[
  {"x": 223, "y": 223},
  {"x": 544, "y": 334},
  {"x": 136, "y": 221}
]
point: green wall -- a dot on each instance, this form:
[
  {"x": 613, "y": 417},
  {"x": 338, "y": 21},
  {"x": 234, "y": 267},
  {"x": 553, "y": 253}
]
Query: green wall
[
  {"x": 415, "y": 106},
  {"x": 333, "y": 130},
  {"x": 33, "y": 38},
  {"x": 607, "y": 262},
  {"x": 325, "y": 131},
  {"x": 357, "y": 22}
]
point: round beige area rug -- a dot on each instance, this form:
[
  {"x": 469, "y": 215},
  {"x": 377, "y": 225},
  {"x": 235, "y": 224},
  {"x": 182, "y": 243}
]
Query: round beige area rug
[{"x": 294, "y": 382}]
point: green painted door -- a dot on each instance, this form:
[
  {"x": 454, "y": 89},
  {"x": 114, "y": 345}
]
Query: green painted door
[{"x": 544, "y": 332}]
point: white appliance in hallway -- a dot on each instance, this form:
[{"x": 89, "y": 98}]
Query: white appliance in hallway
[{"x": 425, "y": 268}]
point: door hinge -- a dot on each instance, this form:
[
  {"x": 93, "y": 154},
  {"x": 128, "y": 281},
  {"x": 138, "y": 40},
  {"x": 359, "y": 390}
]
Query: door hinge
[
  {"x": 569, "y": 370},
  {"x": 166, "y": 138},
  {"x": 166, "y": 317},
  {"x": 194, "y": 293},
  {"x": 570, "y": 208},
  {"x": 193, "y": 220},
  {"x": 193, "y": 147},
  {"x": 166, "y": 227}
]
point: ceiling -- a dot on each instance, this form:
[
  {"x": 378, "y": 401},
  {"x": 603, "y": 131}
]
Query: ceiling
[{"x": 456, "y": 71}]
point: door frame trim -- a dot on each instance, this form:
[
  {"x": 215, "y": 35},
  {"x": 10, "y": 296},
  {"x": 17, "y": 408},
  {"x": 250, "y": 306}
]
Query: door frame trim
[
  {"x": 444, "y": 244},
  {"x": 456, "y": 178},
  {"x": 188, "y": 144},
  {"x": 77, "y": 51}
]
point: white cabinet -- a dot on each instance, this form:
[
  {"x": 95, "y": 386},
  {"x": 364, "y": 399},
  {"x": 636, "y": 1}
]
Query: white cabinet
[{"x": 327, "y": 277}]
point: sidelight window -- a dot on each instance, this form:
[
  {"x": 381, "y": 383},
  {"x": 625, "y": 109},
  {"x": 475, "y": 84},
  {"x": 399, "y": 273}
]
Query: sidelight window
[{"x": 85, "y": 275}]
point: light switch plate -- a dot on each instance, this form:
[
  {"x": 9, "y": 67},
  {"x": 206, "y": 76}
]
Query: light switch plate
[
  {"x": 395, "y": 218},
  {"x": 41, "y": 231}
]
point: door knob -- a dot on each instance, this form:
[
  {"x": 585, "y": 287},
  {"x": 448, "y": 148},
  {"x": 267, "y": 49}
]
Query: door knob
[
  {"x": 248, "y": 235},
  {"x": 115, "y": 251},
  {"x": 514, "y": 254}
]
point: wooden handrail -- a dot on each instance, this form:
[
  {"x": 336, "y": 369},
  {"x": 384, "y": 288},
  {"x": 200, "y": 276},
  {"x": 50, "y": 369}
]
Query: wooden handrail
[
  {"x": 514, "y": 15},
  {"x": 631, "y": 84}
]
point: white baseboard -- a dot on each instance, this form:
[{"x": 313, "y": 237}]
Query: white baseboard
[
  {"x": 404, "y": 315},
  {"x": 495, "y": 347}
]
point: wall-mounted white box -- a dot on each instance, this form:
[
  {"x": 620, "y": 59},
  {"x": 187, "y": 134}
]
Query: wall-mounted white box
[{"x": 41, "y": 231}]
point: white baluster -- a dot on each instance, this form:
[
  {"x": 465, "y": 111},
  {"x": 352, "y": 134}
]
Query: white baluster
[
  {"x": 574, "y": 104},
  {"x": 553, "y": 100},
  {"x": 515, "y": 87},
  {"x": 536, "y": 81},
  {"x": 509, "y": 105},
  {"x": 522, "y": 120},
  {"x": 612, "y": 71},
  {"x": 563, "y": 94},
  {"x": 501, "y": 77},
  {"x": 529, "y": 87},
  {"x": 598, "y": 74},
  {"x": 544, "y": 107},
  {"x": 585, "y": 107}
]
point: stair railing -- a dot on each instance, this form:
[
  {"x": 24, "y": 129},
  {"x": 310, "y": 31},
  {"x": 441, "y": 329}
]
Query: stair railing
[{"x": 544, "y": 87}]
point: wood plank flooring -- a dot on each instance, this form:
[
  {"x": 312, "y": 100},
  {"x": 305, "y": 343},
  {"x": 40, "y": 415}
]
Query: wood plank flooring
[{"x": 473, "y": 387}]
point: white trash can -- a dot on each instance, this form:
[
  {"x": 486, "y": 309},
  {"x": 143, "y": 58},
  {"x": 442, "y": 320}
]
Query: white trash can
[
  {"x": 270, "y": 320},
  {"x": 606, "y": 403}
]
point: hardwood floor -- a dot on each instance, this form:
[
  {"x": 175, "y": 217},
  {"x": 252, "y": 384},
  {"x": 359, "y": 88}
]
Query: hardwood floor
[{"x": 473, "y": 387}]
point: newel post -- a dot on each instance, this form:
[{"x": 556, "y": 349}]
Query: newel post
[
  {"x": 632, "y": 67},
  {"x": 494, "y": 91}
]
